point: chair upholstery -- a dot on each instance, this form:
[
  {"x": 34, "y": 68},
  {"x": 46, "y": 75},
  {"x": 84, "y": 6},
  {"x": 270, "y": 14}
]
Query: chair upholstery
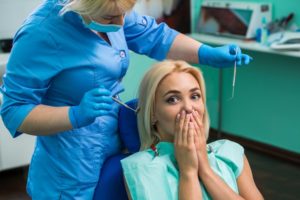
[
  {"x": 128, "y": 127},
  {"x": 111, "y": 185}
]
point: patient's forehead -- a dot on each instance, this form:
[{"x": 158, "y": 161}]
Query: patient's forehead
[{"x": 180, "y": 81}]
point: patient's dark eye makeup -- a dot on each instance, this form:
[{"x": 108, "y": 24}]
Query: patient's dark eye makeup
[
  {"x": 196, "y": 96},
  {"x": 172, "y": 99}
]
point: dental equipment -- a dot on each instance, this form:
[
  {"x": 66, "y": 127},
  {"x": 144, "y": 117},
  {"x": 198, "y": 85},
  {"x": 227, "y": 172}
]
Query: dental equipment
[
  {"x": 233, "y": 81},
  {"x": 125, "y": 105}
]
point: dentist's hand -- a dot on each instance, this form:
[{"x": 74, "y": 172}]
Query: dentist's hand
[
  {"x": 221, "y": 57},
  {"x": 96, "y": 102}
]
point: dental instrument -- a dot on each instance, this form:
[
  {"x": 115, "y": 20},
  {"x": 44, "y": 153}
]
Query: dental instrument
[
  {"x": 125, "y": 105},
  {"x": 233, "y": 81}
]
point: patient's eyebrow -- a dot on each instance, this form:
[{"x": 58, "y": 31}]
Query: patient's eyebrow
[
  {"x": 194, "y": 89},
  {"x": 172, "y": 91},
  {"x": 178, "y": 92}
]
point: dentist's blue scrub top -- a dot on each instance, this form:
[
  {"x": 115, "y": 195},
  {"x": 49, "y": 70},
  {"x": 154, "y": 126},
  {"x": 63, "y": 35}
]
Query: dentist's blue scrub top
[{"x": 54, "y": 61}]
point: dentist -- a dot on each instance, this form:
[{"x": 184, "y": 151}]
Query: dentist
[{"x": 67, "y": 61}]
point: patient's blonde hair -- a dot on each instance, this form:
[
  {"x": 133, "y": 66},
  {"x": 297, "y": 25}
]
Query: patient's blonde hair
[
  {"x": 147, "y": 92},
  {"x": 95, "y": 8}
]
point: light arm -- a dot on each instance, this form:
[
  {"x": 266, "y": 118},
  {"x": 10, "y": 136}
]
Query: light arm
[
  {"x": 184, "y": 48},
  {"x": 189, "y": 187},
  {"x": 46, "y": 120},
  {"x": 218, "y": 189},
  {"x": 246, "y": 184}
]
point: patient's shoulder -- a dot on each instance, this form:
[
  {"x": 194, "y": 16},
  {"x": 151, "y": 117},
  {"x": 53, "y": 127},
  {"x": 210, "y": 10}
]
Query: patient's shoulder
[{"x": 228, "y": 152}]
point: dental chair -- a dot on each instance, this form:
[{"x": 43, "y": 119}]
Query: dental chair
[{"x": 111, "y": 184}]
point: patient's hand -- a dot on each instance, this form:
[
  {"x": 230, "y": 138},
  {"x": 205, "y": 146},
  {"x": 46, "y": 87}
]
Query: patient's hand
[
  {"x": 200, "y": 141},
  {"x": 184, "y": 142}
]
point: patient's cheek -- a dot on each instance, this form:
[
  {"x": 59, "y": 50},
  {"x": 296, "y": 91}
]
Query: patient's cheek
[{"x": 201, "y": 117}]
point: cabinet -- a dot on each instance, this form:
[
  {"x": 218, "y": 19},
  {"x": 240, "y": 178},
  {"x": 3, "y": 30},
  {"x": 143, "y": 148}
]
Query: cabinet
[
  {"x": 14, "y": 152},
  {"x": 245, "y": 45}
]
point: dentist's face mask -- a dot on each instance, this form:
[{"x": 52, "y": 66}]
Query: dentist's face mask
[{"x": 103, "y": 28}]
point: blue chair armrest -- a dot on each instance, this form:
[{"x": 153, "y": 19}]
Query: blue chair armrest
[{"x": 111, "y": 184}]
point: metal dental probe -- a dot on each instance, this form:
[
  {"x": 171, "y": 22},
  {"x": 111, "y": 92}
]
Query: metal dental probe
[
  {"x": 233, "y": 81},
  {"x": 123, "y": 104}
]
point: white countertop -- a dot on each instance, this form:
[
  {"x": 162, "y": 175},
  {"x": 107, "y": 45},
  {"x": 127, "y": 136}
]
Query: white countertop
[{"x": 247, "y": 45}]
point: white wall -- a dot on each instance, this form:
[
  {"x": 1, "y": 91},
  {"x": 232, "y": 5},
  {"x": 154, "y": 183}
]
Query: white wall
[
  {"x": 14, "y": 152},
  {"x": 13, "y": 13}
]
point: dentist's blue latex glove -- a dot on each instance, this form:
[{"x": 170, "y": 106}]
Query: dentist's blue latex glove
[
  {"x": 221, "y": 57},
  {"x": 96, "y": 102}
]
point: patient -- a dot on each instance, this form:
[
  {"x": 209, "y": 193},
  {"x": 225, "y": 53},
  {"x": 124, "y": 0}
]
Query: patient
[{"x": 174, "y": 161}]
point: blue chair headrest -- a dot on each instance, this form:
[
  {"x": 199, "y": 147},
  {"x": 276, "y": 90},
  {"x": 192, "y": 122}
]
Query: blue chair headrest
[{"x": 128, "y": 127}]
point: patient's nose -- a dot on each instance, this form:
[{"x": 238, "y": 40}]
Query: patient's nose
[{"x": 188, "y": 107}]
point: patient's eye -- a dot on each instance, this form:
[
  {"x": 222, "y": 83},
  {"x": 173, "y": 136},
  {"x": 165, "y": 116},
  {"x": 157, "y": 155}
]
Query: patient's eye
[
  {"x": 196, "y": 96},
  {"x": 172, "y": 99}
]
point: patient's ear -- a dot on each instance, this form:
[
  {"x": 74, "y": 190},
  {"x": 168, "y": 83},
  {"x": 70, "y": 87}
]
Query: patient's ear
[{"x": 153, "y": 120}]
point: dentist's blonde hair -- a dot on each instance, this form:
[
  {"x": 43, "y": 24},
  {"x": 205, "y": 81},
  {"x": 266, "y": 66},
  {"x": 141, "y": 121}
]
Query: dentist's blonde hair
[
  {"x": 95, "y": 8},
  {"x": 147, "y": 91}
]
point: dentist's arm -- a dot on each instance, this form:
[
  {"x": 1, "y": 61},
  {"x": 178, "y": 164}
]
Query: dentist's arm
[
  {"x": 184, "y": 48},
  {"x": 47, "y": 120},
  {"x": 190, "y": 50}
]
